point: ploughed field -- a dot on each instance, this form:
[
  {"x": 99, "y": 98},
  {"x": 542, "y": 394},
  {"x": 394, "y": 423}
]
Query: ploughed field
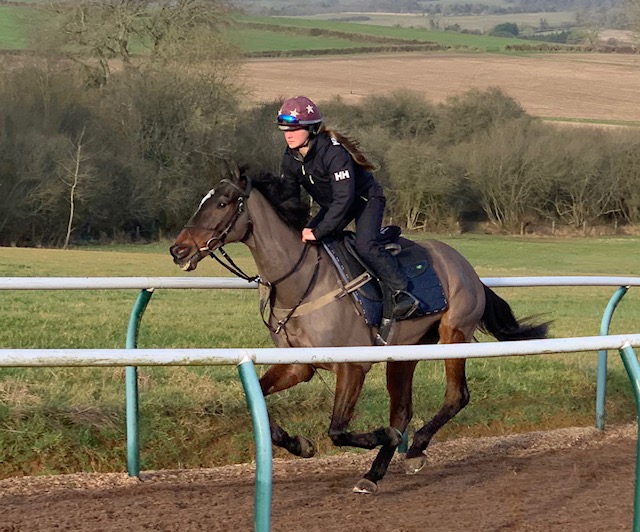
[{"x": 571, "y": 86}]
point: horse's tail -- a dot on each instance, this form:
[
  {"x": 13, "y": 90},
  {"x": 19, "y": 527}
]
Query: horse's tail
[{"x": 498, "y": 321}]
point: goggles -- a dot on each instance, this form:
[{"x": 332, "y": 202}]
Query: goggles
[
  {"x": 289, "y": 123},
  {"x": 289, "y": 120}
]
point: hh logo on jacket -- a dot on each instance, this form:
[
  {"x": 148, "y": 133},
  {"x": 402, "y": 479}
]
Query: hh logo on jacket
[{"x": 339, "y": 176}]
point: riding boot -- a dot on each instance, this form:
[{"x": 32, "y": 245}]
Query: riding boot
[{"x": 405, "y": 304}]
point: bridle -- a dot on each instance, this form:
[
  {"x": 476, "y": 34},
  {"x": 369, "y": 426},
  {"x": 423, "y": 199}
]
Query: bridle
[
  {"x": 232, "y": 267},
  {"x": 208, "y": 248}
]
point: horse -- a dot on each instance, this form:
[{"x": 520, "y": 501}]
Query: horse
[{"x": 302, "y": 309}]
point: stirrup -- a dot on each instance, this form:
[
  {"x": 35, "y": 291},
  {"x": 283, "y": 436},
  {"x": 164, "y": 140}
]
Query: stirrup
[{"x": 409, "y": 306}]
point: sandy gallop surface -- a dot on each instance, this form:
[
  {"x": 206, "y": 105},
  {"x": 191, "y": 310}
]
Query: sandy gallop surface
[{"x": 564, "y": 480}]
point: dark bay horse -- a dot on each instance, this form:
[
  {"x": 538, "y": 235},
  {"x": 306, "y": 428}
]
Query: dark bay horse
[{"x": 302, "y": 284}]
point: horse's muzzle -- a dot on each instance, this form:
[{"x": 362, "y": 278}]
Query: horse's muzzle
[{"x": 184, "y": 257}]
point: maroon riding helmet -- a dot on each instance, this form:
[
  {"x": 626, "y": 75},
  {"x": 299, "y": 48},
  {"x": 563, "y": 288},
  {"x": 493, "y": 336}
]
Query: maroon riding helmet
[{"x": 297, "y": 113}]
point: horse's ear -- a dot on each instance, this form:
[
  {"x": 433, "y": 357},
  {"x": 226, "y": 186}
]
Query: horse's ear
[{"x": 234, "y": 169}]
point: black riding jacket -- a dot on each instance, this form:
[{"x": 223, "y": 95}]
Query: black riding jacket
[{"x": 333, "y": 179}]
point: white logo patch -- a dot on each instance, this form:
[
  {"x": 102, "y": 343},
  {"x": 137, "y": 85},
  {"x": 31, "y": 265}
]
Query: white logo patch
[
  {"x": 339, "y": 176},
  {"x": 335, "y": 141}
]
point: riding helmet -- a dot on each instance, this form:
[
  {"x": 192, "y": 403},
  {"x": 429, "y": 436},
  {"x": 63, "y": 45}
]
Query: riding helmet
[{"x": 297, "y": 113}]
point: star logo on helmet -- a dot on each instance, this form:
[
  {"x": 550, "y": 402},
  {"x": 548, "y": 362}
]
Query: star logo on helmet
[
  {"x": 294, "y": 113},
  {"x": 309, "y": 109}
]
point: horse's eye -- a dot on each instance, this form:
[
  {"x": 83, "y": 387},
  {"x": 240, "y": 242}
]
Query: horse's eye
[{"x": 222, "y": 205}]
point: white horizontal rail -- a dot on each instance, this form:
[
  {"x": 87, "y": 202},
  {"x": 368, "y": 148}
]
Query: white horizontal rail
[
  {"x": 141, "y": 283},
  {"x": 107, "y": 283},
  {"x": 310, "y": 355}
]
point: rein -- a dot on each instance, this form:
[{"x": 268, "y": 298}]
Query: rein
[
  {"x": 266, "y": 295},
  {"x": 232, "y": 267}
]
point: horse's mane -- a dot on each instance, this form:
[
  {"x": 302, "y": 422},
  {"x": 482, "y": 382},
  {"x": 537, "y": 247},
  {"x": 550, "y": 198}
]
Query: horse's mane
[{"x": 284, "y": 196}]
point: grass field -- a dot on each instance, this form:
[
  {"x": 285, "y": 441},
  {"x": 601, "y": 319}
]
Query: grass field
[
  {"x": 483, "y": 23},
  {"x": 460, "y": 40},
  {"x": 15, "y": 23},
  {"x": 61, "y": 420},
  {"x": 253, "y": 40}
]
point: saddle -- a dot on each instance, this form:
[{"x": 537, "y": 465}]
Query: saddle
[{"x": 367, "y": 293}]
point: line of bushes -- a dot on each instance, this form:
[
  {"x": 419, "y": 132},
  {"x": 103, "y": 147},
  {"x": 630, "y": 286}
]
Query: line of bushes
[
  {"x": 390, "y": 48},
  {"x": 131, "y": 159},
  {"x": 553, "y": 47},
  {"x": 321, "y": 32}
]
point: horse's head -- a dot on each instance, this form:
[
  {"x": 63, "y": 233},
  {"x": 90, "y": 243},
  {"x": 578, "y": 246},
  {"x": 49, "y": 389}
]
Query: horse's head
[{"x": 221, "y": 217}]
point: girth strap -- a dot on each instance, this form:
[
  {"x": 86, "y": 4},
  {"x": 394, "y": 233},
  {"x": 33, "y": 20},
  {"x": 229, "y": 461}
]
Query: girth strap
[{"x": 312, "y": 306}]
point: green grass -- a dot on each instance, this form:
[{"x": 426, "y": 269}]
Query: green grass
[
  {"x": 625, "y": 123},
  {"x": 72, "y": 419},
  {"x": 15, "y": 22},
  {"x": 445, "y": 38},
  {"x": 253, "y": 40},
  {"x": 483, "y": 23}
]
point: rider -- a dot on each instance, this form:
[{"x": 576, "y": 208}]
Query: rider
[{"x": 338, "y": 177}]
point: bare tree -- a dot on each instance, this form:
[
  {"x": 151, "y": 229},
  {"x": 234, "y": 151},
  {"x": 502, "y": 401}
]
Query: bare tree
[
  {"x": 73, "y": 171},
  {"x": 507, "y": 167},
  {"x": 585, "y": 187},
  {"x": 421, "y": 184},
  {"x": 97, "y": 34}
]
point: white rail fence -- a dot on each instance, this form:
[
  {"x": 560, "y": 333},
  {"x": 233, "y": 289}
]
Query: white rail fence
[{"x": 245, "y": 358}]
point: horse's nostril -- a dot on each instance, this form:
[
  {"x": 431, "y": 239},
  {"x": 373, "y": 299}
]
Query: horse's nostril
[{"x": 178, "y": 252}]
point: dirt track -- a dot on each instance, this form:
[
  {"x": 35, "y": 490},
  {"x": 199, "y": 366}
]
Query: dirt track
[
  {"x": 564, "y": 480},
  {"x": 596, "y": 86}
]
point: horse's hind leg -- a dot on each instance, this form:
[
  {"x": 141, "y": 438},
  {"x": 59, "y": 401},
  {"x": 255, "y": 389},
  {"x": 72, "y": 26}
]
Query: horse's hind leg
[
  {"x": 455, "y": 399},
  {"x": 399, "y": 386},
  {"x": 282, "y": 377}
]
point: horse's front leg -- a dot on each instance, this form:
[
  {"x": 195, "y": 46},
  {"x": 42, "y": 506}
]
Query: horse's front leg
[
  {"x": 456, "y": 397},
  {"x": 278, "y": 378},
  {"x": 349, "y": 382},
  {"x": 399, "y": 386}
]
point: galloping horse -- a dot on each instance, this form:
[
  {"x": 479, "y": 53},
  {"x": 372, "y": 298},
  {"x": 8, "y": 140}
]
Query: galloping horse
[{"x": 300, "y": 279}]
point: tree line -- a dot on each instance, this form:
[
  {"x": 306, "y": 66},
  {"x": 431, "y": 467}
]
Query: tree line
[{"x": 131, "y": 160}]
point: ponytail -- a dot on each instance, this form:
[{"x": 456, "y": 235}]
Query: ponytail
[{"x": 352, "y": 146}]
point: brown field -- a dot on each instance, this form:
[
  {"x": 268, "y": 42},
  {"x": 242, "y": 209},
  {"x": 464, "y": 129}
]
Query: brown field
[{"x": 571, "y": 86}]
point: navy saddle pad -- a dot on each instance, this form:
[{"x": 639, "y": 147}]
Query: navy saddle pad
[{"x": 414, "y": 261}]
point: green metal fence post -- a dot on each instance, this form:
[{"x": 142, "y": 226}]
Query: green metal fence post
[
  {"x": 131, "y": 383},
  {"x": 262, "y": 435},
  {"x": 633, "y": 370},
  {"x": 601, "y": 384}
]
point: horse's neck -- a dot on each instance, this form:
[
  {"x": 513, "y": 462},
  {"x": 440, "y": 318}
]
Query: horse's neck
[{"x": 276, "y": 247}]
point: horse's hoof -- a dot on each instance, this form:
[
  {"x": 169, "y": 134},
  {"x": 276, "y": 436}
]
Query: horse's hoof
[
  {"x": 307, "y": 450},
  {"x": 413, "y": 465},
  {"x": 365, "y": 486}
]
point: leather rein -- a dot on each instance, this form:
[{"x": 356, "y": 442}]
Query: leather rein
[{"x": 231, "y": 266}]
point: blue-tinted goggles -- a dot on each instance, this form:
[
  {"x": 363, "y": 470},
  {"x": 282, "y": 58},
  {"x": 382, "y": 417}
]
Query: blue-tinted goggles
[{"x": 288, "y": 119}]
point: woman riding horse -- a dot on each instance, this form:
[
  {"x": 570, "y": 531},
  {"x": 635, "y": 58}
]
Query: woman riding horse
[
  {"x": 305, "y": 309},
  {"x": 338, "y": 177}
]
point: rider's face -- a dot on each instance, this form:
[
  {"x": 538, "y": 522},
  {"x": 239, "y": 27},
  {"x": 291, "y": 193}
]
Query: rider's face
[{"x": 296, "y": 138}]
